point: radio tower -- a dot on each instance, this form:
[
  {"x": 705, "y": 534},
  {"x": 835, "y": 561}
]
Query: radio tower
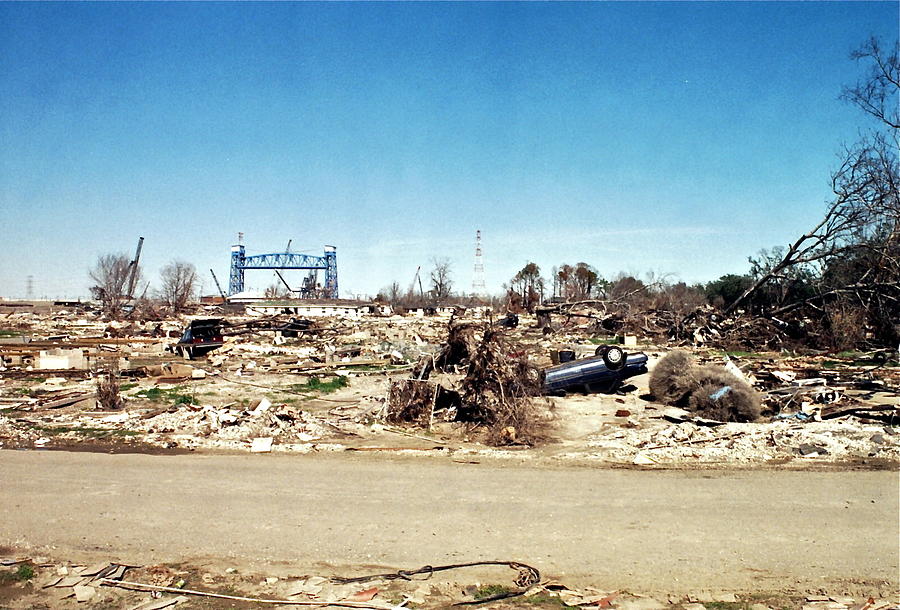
[
  {"x": 478, "y": 288},
  {"x": 29, "y": 288}
]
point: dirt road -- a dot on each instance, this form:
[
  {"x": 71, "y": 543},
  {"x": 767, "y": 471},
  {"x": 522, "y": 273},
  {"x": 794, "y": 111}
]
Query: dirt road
[{"x": 650, "y": 531}]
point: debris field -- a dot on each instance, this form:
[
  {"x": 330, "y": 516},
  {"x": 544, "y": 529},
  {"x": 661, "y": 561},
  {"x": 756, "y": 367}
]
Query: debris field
[{"x": 456, "y": 383}]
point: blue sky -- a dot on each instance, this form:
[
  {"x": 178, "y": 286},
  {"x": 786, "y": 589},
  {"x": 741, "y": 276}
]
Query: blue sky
[{"x": 668, "y": 137}]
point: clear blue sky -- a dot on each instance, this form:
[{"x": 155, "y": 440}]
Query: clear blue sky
[{"x": 672, "y": 137}]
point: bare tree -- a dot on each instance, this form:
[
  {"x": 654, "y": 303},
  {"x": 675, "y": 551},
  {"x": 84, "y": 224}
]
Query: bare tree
[
  {"x": 864, "y": 215},
  {"x": 877, "y": 94},
  {"x": 179, "y": 280},
  {"x": 394, "y": 293},
  {"x": 277, "y": 290},
  {"x": 110, "y": 277},
  {"x": 441, "y": 283}
]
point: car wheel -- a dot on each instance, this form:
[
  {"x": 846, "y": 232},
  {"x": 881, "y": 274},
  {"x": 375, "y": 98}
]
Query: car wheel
[{"x": 614, "y": 358}]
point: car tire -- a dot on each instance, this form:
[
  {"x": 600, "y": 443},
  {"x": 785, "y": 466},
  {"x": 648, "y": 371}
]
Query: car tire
[{"x": 613, "y": 357}]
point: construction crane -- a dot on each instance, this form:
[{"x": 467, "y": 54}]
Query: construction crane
[
  {"x": 286, "y": 285},
  {"x": 417, "y": 278},
  {"x": 218, "y": 287},
  {"x": 133, "y": 268}
]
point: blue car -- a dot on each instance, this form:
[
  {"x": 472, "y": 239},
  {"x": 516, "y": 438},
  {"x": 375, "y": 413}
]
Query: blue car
[{"x": 604, "y": 372}]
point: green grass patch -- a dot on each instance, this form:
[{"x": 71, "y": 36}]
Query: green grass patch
[
  {"x": 10, "y": 333},
  {"x": 154, "y": 394},
  {"x": 22, "y": 573},
  {"x": 550, "y": 601},
  {"x": 486, "y": 591},
  {"x": 314, "y": 384},
  {"x": 172, "y": 395},
  {"x": 127, "y": 386}
]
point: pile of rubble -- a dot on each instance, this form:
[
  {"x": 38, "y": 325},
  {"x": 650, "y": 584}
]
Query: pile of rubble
[
  {"x": 690, "y": 444},
  {"x": 258, "y": 426}
]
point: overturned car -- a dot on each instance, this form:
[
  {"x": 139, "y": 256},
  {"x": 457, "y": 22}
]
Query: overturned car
[
  {"x": 199, "y": 338},
  {"x": 604, "y": 372}
]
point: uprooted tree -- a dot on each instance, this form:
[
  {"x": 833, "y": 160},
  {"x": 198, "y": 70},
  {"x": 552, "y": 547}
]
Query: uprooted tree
[
  {"x": 847, "y": 266},
  {"x": 113, "y": 276},
  {"x": 497, "y": 393}
]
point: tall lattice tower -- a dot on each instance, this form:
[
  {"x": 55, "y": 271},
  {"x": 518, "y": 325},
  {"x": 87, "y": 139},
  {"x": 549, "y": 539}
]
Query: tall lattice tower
[
  {"x": 478, "y": 288},
  {"x": 29, "y": 287}
]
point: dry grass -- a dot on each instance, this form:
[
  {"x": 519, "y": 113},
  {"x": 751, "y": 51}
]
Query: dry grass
[
  {"x": 108, "y": 396},
  {"x": 845, "y": 325}
]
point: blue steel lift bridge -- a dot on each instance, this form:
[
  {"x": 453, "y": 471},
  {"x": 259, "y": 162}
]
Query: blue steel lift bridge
[{"x": 240, "y": 262}]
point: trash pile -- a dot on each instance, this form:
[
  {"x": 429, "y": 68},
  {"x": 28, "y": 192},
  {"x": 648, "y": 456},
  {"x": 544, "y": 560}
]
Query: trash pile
[{"x": 706, "y": 326}]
